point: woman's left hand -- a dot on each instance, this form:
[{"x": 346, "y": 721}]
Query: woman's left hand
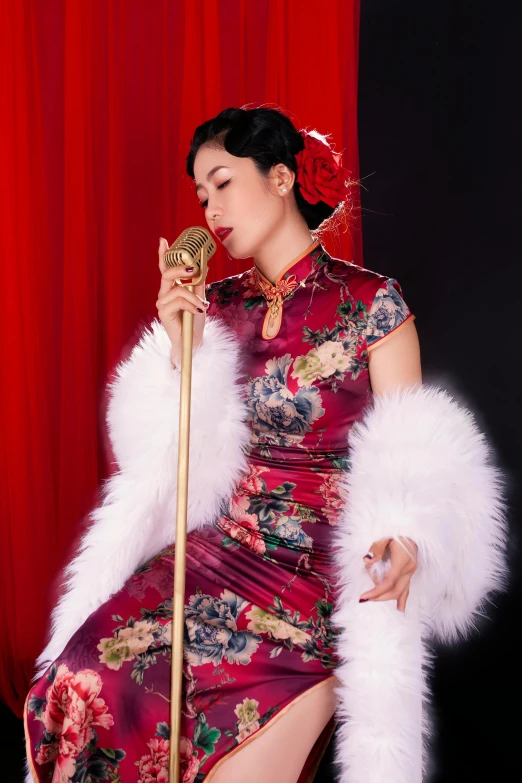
[{"x": 396, "y": 582}]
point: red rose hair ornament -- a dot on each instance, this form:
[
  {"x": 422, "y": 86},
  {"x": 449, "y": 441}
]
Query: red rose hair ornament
[{"x": 320, "y": 174}]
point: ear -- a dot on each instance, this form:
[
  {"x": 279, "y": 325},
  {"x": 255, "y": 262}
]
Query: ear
[{"x": 282, "y": 176}]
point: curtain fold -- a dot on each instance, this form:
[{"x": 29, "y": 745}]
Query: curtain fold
[{"x": 99, "y": 102}]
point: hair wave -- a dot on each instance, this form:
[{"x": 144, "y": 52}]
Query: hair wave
[{"x": 267, "y": 136}]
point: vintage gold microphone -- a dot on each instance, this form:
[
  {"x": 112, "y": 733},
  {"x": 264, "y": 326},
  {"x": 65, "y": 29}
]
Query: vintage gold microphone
[{"x": 195, "y": 246}]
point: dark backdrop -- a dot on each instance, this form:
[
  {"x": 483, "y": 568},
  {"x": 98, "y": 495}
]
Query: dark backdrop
[{"x": 439, "y": 88}]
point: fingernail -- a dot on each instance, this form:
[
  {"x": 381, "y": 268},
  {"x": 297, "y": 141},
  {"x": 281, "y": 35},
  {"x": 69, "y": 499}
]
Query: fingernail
[
  {"x": 362, "y": 600},
  {"x": 200, "y": 309},
  {"x": 189, "y": 269}
]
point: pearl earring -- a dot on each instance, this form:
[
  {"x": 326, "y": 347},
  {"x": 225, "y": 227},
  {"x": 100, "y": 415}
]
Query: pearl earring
[{"x": 284, "y": 190}]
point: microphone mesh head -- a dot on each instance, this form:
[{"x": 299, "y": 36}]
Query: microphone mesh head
[{"x": 186, "y": 250}]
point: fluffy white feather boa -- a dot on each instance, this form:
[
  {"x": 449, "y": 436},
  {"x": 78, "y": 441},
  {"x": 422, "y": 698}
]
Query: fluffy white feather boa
[{"x": 419, "y": 468}]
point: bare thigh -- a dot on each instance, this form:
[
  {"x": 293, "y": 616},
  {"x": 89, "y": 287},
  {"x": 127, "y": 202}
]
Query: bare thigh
[{"x": 279, "y": 752}]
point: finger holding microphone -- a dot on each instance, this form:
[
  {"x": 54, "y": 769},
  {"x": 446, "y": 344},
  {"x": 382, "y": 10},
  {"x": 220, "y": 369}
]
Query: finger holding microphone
[{"x": 173, "y": 298}]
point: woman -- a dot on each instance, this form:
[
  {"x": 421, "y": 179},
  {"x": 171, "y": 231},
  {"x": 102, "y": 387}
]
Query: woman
[{"x": 315, "y": 572}]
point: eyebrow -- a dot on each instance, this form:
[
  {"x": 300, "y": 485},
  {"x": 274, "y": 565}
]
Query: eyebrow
[{"x": 209, "y": 175}]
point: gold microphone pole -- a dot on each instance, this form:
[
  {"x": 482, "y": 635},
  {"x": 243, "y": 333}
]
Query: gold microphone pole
[{"x": 194, "y": 247}]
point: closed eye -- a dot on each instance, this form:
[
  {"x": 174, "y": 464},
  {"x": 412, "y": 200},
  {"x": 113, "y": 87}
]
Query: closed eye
[{"x": 204, "y": 203}]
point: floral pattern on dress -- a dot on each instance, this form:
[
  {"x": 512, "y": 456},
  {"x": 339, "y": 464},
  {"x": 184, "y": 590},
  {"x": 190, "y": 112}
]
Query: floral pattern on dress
[
  {"x": 260, "y": 586},
  {"x": 279, "y": 416},
  {"x": 153, "y": 767},
  {"x": 128, "y": 642},
  {"x": 70, "y": 711},
  {"x": 329, "y": 358},
  {"x": 259, "y": 519},
  {"x": 314, "y": 636},
  {"x": 249, "y": 720},
  {"x": 334, "y": 495},
  {"x": 138, "y": 641},
  {"x": 212, "y": 632},
  {"x": 388, "y": 311}
]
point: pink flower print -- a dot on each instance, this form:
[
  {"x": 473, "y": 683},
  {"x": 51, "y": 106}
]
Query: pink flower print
[
  {"x": 154, "y": 766},
  {"x": 245, "y": 530},
  {"x": 47, "y": 753},
  {"x": 238, "y": 508},
  {"x": 189, "y": 761},
  {"x": 241, "y": 526},
  {"x": 251, "y": 484},
  {"x": 334, "y": 496},
  {"x": 73, "y": 707}
]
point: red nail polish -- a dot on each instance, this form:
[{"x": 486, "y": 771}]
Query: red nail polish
[{"x": 362, "y": 600}]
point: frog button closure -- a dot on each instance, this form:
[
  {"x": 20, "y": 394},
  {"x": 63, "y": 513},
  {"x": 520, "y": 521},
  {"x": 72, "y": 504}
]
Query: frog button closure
[{"x": 276, "y": 293}]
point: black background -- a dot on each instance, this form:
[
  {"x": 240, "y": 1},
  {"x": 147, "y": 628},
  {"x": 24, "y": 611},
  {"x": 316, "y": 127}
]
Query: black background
[
  {"x": 441, "y": 168},
  {"x": 439, "y": 89}
]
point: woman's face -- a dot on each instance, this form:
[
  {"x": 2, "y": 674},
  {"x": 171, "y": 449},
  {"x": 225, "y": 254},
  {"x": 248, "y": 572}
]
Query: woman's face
[{"x": 237, "y": 196}]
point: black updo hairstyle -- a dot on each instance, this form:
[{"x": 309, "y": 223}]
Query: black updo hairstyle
[{"x": 268, "y": 137}]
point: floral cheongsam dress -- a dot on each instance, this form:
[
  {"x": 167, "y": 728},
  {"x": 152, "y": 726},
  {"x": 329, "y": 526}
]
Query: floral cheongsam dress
[{"x": 260, "y": 586}]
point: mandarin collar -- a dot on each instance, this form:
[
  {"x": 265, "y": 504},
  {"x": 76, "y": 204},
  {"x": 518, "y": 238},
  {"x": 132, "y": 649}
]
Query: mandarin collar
[{"x": 290, "y": 276}]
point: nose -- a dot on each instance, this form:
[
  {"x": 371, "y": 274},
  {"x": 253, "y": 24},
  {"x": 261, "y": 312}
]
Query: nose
[
  {"x": 213, "y": 210},
  {"x": 213, "y": 218},
  {"x": 213, "y": 207}
]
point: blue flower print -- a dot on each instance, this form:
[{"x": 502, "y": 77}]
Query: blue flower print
[
  {"x": 290, "y": 530},
  {"x": 388, "y": 310},
  {"x": 211, "y": 630},
  {"x": 279, "y": 416}
]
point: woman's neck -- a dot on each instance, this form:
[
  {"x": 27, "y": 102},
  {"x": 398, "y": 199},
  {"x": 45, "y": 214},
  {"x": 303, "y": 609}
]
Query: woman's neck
[{"x": 280, "y": 252}]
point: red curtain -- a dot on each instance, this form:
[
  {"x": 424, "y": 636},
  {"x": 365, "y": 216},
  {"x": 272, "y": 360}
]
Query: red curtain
[{"x": 99, "y": 102}]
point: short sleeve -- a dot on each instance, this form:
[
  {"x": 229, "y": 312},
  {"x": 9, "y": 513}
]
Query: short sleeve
[{"x": 387, "y": 312}]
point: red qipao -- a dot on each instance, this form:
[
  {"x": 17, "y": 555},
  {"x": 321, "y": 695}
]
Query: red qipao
[{"x": 295, "y": 470}]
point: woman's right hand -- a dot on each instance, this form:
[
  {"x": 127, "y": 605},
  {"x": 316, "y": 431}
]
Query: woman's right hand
[{"x": 174, "y": 298}]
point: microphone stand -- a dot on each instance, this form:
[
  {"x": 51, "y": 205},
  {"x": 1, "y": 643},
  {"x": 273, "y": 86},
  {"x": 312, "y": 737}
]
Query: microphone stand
[{"x": 178, "y": 605}]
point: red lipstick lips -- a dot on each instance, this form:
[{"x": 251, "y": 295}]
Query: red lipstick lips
[{"x": 223, "y": 231}]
